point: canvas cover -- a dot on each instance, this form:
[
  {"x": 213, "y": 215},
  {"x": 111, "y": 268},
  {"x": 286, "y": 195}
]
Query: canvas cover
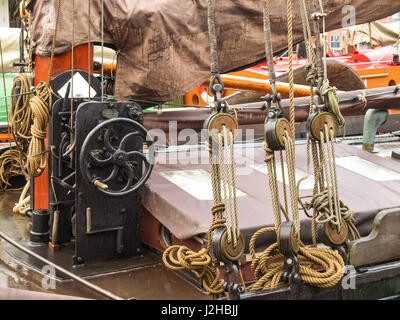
[
  {"x": 164, "y": 44},
  {"x": 378, "y": 33},
  {"x": 180, "y": 197},
  {"x": 9, "y": 38}
]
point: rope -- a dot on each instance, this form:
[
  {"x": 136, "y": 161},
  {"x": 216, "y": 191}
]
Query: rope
[
  {"x": 53, "y": 44},
  {"x": 23, "y": 204},
  {"x": 326, "y": 204},
  {"x": 11, "y": 159},
  {"x": 268, "y": 267},
  {"x": 10, "y": 166},
  {"x": 200, "y": 263},
  {"x": 40, "y": 106},
  {"x": 320, "y": 267},
  {"x": 225, "y": 201},
  {"x": 228, "y": 179},
  {"x": 268, "y": 43},
  {"x": 213, "y": 37},
  {"x": 333, "y": 101},
  {"x": 20, "y": 116},
  {"x": 362, "y": 97}
]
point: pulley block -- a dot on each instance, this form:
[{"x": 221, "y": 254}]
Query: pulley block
[
  {"x": 289, "y": 246},
  {"x": 217, "y": 121},
  {"x": 275, "y": 132},
  {"x": 331, "y": 235},
  {"x": 317, "y": 121},
  {"x": 224, "y": 250}
]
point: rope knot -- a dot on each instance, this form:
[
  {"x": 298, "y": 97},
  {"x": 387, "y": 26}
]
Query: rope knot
[
  {"x": 312, "y": 74},
  {"x": 218, "y": 209}
]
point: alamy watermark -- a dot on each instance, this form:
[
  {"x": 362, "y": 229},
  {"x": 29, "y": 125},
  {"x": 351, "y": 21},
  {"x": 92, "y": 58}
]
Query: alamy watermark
[{"x": 49, "y": 280}]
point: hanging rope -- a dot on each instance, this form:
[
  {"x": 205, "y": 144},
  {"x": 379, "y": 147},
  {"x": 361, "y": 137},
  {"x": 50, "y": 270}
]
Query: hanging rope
[
  {"x": 320, "y": 267},
  {"x": 37, "y": 154},
  {"x": 40, "y": 105},
  {"x": 223, "y": 182},
  {"x": 20, "y": 116},
  {"x": 326, "y": 205}
]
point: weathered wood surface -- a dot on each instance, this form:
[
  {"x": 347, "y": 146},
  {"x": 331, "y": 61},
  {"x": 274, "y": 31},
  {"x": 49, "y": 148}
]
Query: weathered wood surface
[
  {"x": 340, "y": 75},
  {"x": 382, "y": 244}
]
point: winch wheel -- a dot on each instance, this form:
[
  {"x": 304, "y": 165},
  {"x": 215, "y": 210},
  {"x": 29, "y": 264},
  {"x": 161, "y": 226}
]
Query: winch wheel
[{"x": 112, "y": 159}]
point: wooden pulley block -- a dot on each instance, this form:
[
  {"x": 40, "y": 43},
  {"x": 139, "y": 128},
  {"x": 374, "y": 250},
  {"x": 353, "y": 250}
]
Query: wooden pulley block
[
  {"x": 231, "y": 252},
  {"x": 316, "y": 124},
  {"x": 217, "y": 121},
  {"x": 334, "y": 236},
  {"x": 224, "y": 250},
  {"x": 329, "y": 235},
  {"x": 275, "y": 131}
]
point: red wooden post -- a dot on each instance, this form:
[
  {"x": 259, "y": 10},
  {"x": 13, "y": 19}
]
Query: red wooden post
[{"x": 61, "y": 63}]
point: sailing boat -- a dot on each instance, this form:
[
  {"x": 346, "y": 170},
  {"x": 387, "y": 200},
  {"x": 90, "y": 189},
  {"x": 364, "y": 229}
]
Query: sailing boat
[{"x": 107, "y": 199}]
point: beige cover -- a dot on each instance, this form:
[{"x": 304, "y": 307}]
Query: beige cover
[
  {"x": 381, "y": 34},
  {"x": 164, "y": 48},
  {"x": 9, "y": 38}
]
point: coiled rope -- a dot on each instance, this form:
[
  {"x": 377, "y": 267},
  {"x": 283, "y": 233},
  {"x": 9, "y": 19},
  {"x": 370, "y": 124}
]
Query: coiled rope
[
  {"x": 268, "y": 266},
  {"x": 11, "y": 160},
  {"x": 36, "y": 160},
  {"x": 10, "y": 166},
  {"x": 20, "y": 116}
]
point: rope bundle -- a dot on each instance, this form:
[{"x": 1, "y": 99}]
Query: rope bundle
[
  {"x": 268, "y": 266},
  {"x": 320, "y": 203},
  {"x": 200, "y": 263},
  {"x": 20, "y": 113},
  {"x": 12, "y": 160},
  {"x": 10, "y": 166},
  {"x": 37, "y": 158}
]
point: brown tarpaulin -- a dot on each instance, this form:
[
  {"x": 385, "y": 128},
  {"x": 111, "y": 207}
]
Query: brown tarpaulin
[{"x": 164, "y": 48}]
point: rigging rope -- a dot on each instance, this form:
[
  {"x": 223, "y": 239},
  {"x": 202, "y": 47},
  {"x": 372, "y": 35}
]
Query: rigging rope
[
  {"x": 269, "y": 266},
  {"x": 223, "y": 182},
  {"x": 326, "y": 205}
]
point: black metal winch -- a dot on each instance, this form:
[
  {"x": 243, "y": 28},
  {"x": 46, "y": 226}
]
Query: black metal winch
[{"x": 100, "y": 157}]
